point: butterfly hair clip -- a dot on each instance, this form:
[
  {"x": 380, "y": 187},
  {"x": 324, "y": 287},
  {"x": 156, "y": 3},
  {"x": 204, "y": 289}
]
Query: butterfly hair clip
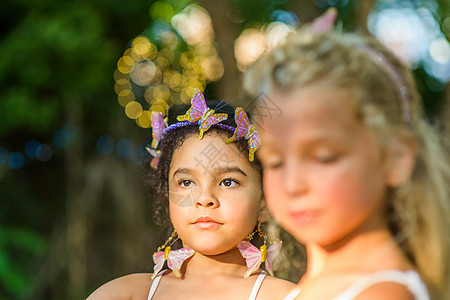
[
  {"x": 247, "y": 131},
  {"x": 174, "y": 258},
  {"x": 201, "y": 113},
  {"x": 158, "y": 126}
]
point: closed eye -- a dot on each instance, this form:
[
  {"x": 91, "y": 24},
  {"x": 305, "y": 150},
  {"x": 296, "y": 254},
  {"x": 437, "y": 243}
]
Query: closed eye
[
  {"x": 326, "y": 157},
  {"x": 273, "y": 163}
]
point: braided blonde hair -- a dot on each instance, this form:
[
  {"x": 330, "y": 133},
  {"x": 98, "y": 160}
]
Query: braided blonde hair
[{"x": 419, "y": 212}]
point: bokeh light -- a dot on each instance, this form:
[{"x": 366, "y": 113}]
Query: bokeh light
[
  {"x": 144, "y": 119},
  {"x": 125, "y": 64},
  {"x": 194, "y": 25},
  {"x": 287, "y": 17},
  {"x": 124, "y": 148},
  {"x": 105, "y": 144},
  {"x": 30, "y": 148},
  {"x": 4, "y": 155},
  {"x": 440, "y": 50},
  {"x": 446, "y": 26},
  {"x": 414, "y": 34},
  {"x": 253, "y": 42},
  {"x": 250, "y": 44},
  {"x": 61, "y": 138},
  {"x": 133, "y": 110},
  {"x": 16, "y": 160},
  {"x": 327, "y": 3},
  {"x": 161, "y": 10},
  {"x": 140, "y": 156},
  {"x": 143, "y": 73},
  {"x": 154, "y": 75},
  {"x": 44, "y": 152}
]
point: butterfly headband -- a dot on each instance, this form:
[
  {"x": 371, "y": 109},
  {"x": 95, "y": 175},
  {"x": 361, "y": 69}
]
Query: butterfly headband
[
  {"x": 388, "y": 68},
  {"x": 199, "y": 113},
  {"x": 325, "y": 23}
]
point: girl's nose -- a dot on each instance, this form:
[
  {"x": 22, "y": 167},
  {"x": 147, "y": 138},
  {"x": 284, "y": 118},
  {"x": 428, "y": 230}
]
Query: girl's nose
[
  {"x": 294, "y": 177},
  {"x": 207, "y": 199}
]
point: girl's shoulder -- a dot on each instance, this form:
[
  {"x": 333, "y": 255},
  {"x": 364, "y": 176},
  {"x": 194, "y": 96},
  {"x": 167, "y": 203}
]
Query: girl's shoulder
[
  {"x": 132, "y": 286},
  {"x": 275, "y": 288},
  {"x": 388, "y": 284},
  {"x": 386, "y": 290}
]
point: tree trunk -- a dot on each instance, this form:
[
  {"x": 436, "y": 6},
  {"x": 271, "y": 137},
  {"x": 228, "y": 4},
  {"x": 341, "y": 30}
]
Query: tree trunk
[
  {"x": 229, "y": 87},
  {"x": 445, "y": 117},
  {"x": 363, "y": 9},
  {"x": 75, "y": 206}
]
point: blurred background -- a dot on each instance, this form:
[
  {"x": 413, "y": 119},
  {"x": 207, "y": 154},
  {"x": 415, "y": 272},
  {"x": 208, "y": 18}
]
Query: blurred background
[{"x": 78, "y": 79}]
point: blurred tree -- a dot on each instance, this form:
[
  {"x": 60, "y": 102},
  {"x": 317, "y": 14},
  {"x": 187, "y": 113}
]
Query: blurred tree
[
  {"x": 80, "y": 219},
  {"x": 56, "y": 66}
]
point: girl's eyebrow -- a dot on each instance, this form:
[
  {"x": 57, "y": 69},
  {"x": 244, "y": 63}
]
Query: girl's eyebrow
[
  {"x": 216, "y": 170},
  {"x": 229, "y": 170},
  {"x": 182, "y": 170}
]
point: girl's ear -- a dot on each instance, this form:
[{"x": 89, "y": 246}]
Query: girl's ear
[
  {"x": 401, "y": 161},
  {"x": 263, "y": 214}
]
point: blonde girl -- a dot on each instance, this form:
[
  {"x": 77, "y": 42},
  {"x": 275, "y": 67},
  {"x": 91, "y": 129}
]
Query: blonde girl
[{"x": 352, "y": 169}]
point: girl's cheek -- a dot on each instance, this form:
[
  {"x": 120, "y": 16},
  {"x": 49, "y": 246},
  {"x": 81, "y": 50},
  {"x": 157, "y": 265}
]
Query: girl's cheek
[
  {"x": 273, "y": 189},
  {"x": 338, "y": 188}
]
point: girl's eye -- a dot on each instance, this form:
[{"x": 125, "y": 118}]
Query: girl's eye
[
  {"x": 186, "y": 183},
  {"x": 326, "y": 158},
  {"x": 229, "y": 183},
  {"x": 273, "y": 164}
]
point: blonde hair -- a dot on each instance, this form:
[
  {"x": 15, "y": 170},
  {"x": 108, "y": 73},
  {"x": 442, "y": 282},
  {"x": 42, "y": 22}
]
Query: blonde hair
[{"x": 419, "y": 209}]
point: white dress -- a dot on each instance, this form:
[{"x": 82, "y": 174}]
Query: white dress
[
  {"x": 410, "y": 279},
  {"x": 253, "y": 294}
]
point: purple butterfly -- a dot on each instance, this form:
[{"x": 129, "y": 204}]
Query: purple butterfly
[
  {"x": 156, "y": 154},
  {"x": 247, "y": 131},
  {"x": 201, "y": 113},
  {"x": 254, "y": 256},
  {"x": 175, "y": 259},
  {"x": 158, "y": 125}
]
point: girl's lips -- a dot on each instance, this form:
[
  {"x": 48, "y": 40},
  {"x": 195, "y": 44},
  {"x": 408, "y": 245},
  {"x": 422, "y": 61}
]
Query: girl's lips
[
  {"x": 303, "y": 216},
  {"x": 206, "y": 222}
]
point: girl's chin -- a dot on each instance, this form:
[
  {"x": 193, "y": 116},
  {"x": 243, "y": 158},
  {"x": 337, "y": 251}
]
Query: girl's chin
[{"x": 212, "y": 250}]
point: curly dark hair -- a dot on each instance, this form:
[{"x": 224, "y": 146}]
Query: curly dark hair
[{"x": 172, "y": 140}]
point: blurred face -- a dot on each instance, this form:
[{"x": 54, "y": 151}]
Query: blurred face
[
  {"x": 324, "y": 179},
  {"x": 214, "y": 194}
]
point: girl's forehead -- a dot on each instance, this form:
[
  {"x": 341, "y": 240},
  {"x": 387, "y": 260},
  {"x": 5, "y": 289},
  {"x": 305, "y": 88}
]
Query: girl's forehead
[
  {"x": 308, "y": 106},
  {"x": 211, "y": 151},
  {"x": 311, "y": 112}
]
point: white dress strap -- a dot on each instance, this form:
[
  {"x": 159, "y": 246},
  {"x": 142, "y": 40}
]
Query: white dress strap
[
  {"x": 294, "y": 293},
  {"x": 410, "y": 279},
  {"x": 155, "y": 284},
  {"x": 257, "y": 285}
]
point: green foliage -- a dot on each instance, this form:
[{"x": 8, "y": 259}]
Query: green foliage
[
  {"x": 51, "y": 58},
  {"x": 52, "y": 54},
  {"x": 19, "y": 249}
]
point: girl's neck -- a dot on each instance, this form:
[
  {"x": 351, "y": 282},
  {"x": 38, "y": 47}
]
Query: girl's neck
[
  {"x": 227, "y": 263},
  {"x": 368, "y": 251}
]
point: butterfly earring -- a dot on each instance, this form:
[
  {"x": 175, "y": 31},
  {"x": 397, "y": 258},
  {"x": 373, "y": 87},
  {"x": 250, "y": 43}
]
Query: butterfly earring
[
  {"x": 174, "y": 258},
  {"x": 254, "y": 256}
]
